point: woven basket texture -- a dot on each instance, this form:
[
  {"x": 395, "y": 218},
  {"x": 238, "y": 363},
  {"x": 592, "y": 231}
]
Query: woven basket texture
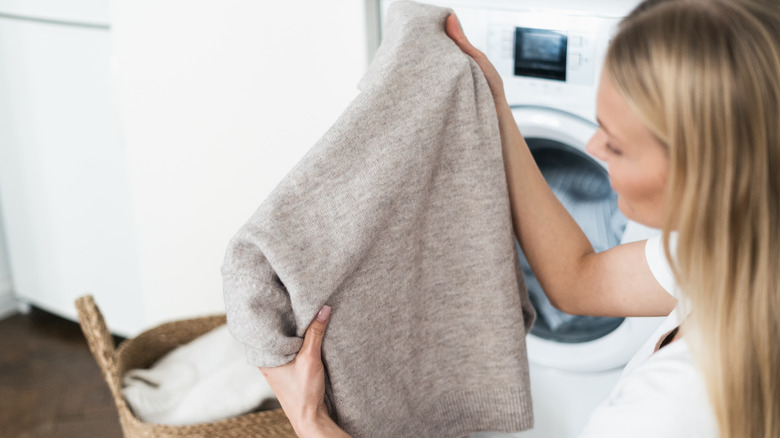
[{"x": 141, "y": 352}]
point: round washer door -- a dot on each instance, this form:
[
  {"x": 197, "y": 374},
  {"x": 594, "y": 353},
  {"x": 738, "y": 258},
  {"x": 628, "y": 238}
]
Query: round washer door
[
  {"x": 570, "y": 342},
  {"x": 554, "y": 125}
]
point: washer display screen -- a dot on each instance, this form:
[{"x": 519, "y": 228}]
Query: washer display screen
[{"x": 540, "y": 53}]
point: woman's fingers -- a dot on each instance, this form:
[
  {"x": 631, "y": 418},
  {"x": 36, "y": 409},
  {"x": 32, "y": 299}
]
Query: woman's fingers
[
  {"x": 300, "y": 384},
  {"x": 453, "y": 29},
  {"x": 455, "y": 32},
  {"x": 312, "y": 341}
]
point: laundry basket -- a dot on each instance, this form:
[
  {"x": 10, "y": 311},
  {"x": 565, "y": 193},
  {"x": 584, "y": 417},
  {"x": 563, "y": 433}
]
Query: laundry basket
[{"x": 141, "y": 352}]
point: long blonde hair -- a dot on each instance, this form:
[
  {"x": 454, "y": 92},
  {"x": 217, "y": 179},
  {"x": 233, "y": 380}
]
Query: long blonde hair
[{"x": 703, "y": 75}]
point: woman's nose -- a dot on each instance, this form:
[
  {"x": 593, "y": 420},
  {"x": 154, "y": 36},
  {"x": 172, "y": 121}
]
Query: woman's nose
[{"x": 597, "y": 145}]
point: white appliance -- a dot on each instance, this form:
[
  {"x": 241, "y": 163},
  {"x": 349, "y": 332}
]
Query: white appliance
[{"x": 549, "y": 54}]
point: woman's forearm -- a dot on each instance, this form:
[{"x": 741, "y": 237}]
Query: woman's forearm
[{"x": 553, "y": 243}]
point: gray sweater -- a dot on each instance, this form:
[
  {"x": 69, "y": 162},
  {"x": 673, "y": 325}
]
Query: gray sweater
[{"x": 399, "y": 219}]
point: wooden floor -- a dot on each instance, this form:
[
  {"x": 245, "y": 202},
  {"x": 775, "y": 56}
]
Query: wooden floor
[{"x": 50, "y": 386}]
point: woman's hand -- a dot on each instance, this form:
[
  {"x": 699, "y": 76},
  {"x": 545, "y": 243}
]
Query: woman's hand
[
  {"x": 494, "y": 81},
  {"x": 300, "y": 385}
]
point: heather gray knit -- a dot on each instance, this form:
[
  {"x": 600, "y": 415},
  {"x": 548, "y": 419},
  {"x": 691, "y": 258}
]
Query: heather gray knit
[{"x": 399, "y": 219}]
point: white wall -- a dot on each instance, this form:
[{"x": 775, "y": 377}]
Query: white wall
[{"x": 217, "y": 101}]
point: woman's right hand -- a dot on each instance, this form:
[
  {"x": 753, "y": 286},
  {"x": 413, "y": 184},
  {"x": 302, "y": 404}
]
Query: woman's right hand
[
  {"x": 454, "y": 31},
  {"x": 300, "y": 385}
]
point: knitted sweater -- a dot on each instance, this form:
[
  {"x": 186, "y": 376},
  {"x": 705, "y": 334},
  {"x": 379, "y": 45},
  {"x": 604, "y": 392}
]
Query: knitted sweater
[{"x": 399, "y": 219}]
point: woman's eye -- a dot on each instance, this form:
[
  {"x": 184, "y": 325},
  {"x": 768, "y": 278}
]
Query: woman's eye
[{"x": 614, "y": 150}]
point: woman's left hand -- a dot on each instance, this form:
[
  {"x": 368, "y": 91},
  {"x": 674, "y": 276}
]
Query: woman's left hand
[
  {"x": 495, "y": 83},
  {"x": 300, "y": 384}
]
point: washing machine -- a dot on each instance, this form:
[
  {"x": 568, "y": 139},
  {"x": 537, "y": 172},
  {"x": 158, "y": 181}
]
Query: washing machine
[{"x": 550, "y": 54}]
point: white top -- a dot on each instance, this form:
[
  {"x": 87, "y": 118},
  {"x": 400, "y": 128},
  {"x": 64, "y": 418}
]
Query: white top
[{"x": 659, "y": 394}]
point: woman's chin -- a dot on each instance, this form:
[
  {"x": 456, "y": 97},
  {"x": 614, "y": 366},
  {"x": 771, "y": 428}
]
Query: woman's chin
[{"x": 639, "y": 216}]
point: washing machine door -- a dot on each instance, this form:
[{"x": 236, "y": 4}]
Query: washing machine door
[{"x": 558, "y": 340}]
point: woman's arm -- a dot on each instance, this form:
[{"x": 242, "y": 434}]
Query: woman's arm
[
  {"x": 300, "y": 385},
  {"x": 576, "y": 279}
]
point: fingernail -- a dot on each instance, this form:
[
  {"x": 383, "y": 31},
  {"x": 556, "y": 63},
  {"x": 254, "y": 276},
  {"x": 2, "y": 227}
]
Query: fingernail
[{"x": 323, "y": 314}]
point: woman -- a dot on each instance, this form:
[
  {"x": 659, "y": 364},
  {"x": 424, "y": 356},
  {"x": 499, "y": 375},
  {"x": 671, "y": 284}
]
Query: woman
[{"x": 689, "y": 108}]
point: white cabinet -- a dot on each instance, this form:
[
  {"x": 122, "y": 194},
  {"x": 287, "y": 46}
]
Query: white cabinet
[
  {"x": 128, "y": 181},
  {"x": 63, "y": 182},
  {"x": 74, "y": 12},
  {"x": 7, "y": 300}
]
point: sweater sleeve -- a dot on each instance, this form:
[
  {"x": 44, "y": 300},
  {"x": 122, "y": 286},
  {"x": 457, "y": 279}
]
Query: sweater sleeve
[{"x": 257, "y": 303}]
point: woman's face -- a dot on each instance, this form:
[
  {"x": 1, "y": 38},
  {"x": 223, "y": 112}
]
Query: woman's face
[{"x": 638, "y": 164}]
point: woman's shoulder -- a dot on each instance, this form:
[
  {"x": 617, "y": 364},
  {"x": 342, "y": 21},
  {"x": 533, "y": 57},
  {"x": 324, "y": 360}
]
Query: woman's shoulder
[
  {"x": 667, "y": 371},
  {"x": 659, "y": 264},
  {"x": 664, "y": 396}
]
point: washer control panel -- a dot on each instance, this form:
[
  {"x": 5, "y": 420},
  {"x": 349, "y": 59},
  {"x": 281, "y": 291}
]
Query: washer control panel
[
  {"x": 549, "y": 59},
  {"x": 549, "y": 53},
  {"x": 554, "y": 54}
]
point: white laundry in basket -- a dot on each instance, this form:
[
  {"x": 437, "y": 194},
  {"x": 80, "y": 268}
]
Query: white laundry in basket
[{"x": 205, "y": 380}]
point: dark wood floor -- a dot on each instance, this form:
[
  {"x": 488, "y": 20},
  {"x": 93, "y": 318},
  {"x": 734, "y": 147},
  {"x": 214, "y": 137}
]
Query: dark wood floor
[{"x": 50, "y": 386}]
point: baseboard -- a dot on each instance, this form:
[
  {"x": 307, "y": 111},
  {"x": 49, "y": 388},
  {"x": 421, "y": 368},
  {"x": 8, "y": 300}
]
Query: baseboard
[{"x": 8, "y": 304}]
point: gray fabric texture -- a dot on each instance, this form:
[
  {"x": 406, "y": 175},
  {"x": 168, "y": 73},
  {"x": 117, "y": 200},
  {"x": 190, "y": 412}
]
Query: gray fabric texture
[{"x": 399, "y": 219}]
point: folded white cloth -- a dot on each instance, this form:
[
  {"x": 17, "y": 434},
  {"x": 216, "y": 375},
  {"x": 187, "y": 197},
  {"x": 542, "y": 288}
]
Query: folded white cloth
[{"x": 205, "y": 380}]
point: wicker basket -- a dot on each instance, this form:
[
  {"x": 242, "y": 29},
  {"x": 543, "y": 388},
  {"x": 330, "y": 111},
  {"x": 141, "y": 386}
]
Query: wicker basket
[{"x": 141, "y": 352}]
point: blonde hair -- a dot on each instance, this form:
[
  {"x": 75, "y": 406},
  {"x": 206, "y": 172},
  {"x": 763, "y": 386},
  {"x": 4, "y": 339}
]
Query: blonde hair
[{"x": 703, "y": 76}]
